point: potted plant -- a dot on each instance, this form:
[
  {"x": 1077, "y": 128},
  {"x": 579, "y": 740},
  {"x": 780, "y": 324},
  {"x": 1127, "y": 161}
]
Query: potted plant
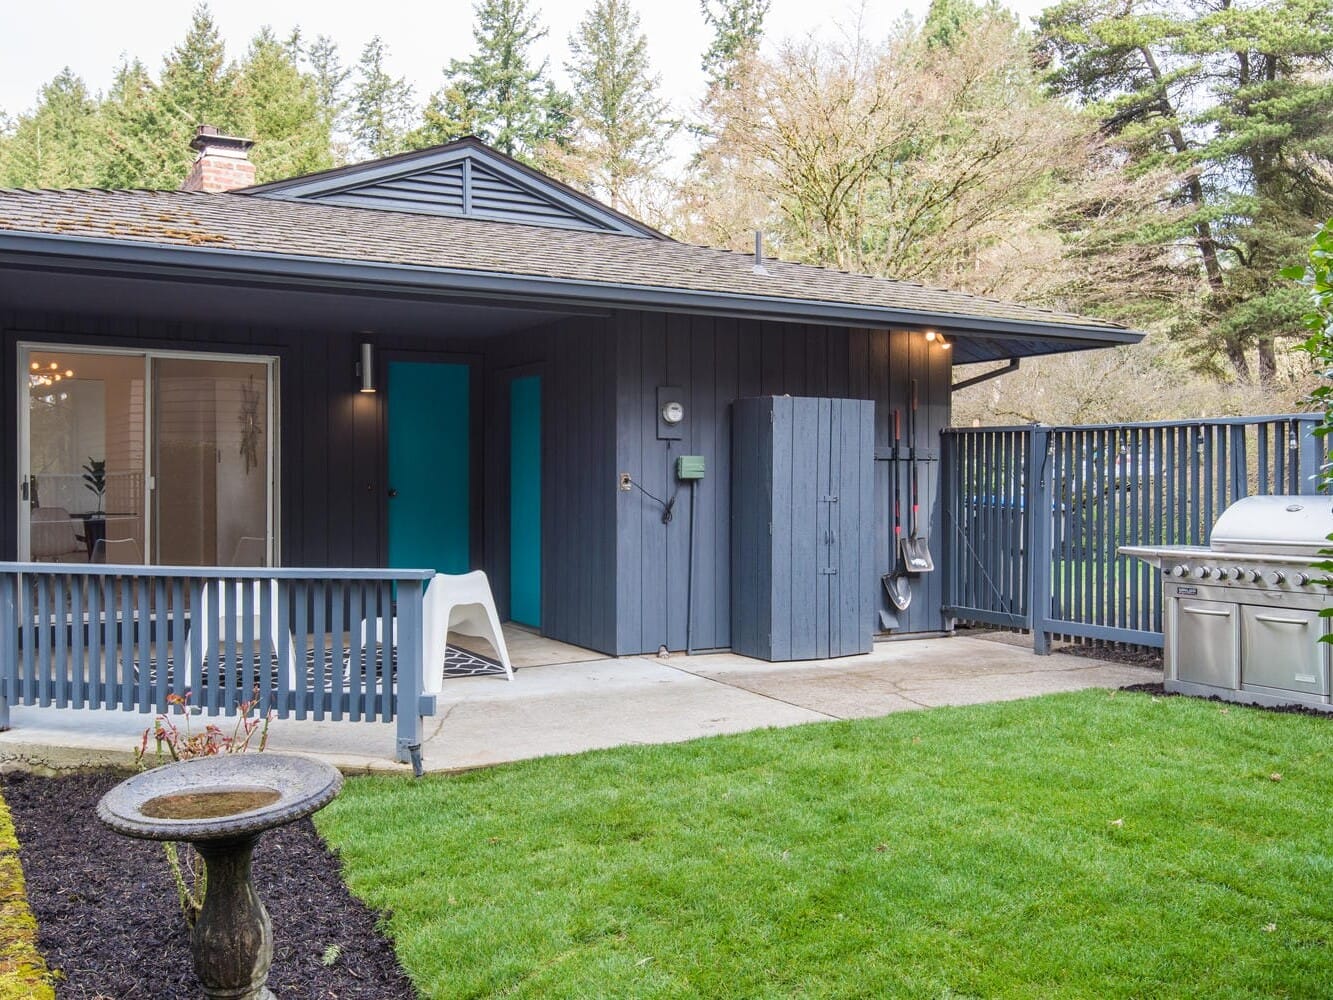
[{"x": 94, "y": 477}]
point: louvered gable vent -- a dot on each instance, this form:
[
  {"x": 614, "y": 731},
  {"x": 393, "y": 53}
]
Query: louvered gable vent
[{"x": 464, "y": 178}]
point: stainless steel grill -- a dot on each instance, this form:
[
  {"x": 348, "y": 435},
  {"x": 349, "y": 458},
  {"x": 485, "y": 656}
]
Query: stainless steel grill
[{"x": 1241, "y": 616}]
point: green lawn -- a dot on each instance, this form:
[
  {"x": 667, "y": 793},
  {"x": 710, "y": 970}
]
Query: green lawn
[{"x": 1084, "y": 845}]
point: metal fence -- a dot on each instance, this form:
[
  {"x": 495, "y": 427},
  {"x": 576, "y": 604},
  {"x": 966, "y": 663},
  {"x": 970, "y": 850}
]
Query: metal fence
[
  {"x": 303, "y": 643},
  {"x": 1033, "y": 516}
]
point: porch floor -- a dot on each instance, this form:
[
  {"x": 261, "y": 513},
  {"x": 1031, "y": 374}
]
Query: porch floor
[{"x": 565, "y": 700}]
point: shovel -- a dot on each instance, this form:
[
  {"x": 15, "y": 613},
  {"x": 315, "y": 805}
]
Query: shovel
[
  {"x": 915, "y": 548},
  {"x": 896, "y": 585}
]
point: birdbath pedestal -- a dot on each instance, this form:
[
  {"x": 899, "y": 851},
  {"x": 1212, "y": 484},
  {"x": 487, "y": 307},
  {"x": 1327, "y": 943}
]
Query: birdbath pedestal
[{"x": 223, "y": 805}]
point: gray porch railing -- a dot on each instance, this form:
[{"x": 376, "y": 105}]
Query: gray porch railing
[
  {"x": 293, "y": 640},
  {"x": 1033, "y": 516}
]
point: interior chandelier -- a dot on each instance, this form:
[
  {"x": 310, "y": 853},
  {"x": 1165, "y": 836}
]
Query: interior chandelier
[{"x": 41, "y": 377}]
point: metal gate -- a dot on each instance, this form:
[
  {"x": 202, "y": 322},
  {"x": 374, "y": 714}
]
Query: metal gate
[{"x": 1033, "y": 516}]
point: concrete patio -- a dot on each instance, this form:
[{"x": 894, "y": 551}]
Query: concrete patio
[{"x": 566, "y": 700}]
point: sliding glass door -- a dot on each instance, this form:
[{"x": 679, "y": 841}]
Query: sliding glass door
[{"x": 135, "y": 457}]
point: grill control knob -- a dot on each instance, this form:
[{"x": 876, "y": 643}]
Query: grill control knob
[
  {"x": 1179, "y": 570},
  {"x": 1275, "y": 577},
  {"x": 1201, "y": 572},
  {"x": 1223, "y": 573},
  {"x": 1237, "y": 572},
  {"x": 1301, "y": 579},
  {"x": 1254, "y": 576}
]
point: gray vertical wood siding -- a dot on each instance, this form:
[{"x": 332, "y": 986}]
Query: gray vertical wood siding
[{"x": 716, "y": 361}]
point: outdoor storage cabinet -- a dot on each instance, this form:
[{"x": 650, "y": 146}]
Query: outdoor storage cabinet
[{"x": 802, "y": 527}]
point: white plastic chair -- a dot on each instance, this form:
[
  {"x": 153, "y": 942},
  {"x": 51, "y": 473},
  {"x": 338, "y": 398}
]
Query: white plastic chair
[
  {"x": 212, "y": 624},
  {"x": 460, "y": 604},
  {"x": 117, "y": 552}
]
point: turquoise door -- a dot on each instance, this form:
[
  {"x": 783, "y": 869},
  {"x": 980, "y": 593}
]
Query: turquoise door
[
  {"x": 525, "y": 500},
  {"x": 430, "y": 488}
]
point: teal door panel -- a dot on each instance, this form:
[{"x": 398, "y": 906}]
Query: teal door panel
[
  {"x": 429, "y": 466},
  {"x": 525, "y": 500}
]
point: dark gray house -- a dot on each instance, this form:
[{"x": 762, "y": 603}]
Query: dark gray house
[{"x": 446, "y": 359}]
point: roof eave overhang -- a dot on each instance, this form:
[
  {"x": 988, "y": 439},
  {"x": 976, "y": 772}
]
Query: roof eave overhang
[{"x": 180, "y": 263}]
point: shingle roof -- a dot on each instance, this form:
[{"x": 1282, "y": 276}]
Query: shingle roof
[{"x": 305, "y": 230}]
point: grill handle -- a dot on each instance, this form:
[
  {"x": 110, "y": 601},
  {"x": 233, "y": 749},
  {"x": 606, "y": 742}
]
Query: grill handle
[
  {"x": 1282, "y": 621},
  {"x": 1207, "y": 611}
]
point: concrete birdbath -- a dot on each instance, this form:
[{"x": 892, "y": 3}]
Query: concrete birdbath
[{"x": 222, "y": 805}]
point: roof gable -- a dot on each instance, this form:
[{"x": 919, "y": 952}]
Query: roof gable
[{"x": 464, "y": 178}]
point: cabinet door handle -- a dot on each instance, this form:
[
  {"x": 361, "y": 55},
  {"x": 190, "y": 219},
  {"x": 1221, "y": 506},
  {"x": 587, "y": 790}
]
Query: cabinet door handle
[
  {"x": 1207, "y": 611},
  {"x": 1282, "y": 621}
]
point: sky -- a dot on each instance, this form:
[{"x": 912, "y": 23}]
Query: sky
[{"x": 39, "y": 39}]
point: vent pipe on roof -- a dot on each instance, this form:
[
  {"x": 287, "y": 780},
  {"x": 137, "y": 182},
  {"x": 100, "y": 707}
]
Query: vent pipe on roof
[
  {"x": 759, "y": 252},
  {"x": 223, "y": 163}
]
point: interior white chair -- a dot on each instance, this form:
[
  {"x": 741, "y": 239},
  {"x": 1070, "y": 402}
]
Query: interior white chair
[
  {"x": 213, "y": 616},
  {"x": 250, "y": 551},
  {"x": 118, "y": 552},
  {"x": 54, "y": 536},
  {"x": 461, "y": 604}
]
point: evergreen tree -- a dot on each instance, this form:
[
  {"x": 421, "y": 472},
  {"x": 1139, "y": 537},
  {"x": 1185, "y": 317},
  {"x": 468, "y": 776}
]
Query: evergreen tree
[
  {"x": 381, "y": 104},
  {"x": 737, "y": 27},
  {"x": 1236, "y": 100},
  {"x": 621, "y": 127},
  {"x": 331, "y": 79},
  {"x": 128, "y": 117},
  {"x": 279, "y": 109},
  {"x": 56, "y": 144},
  {"x": 498, "y": 94}
]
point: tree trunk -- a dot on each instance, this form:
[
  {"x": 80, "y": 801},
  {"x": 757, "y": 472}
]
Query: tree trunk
[
  {"x": 1235, "y": 351},
  {"x": 1267, "y": 361}
]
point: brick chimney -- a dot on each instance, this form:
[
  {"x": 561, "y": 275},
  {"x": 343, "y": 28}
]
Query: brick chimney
[{"x": 223, "y": 163}]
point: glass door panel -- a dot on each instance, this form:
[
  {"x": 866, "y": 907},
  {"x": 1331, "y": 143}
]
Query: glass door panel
[
  {"x": 84, "y": 472},
  {"x": 211, "y": 462}
]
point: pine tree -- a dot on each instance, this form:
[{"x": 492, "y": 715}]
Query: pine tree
[
  {"x": 498, "y": 94},
  {"x": 331, "y": 79},
  {"x": 55, "y": 145},
  {"x": 381, "y": 104},
  {"x": 620, "y": 127},
  {"x": 737, "y": 27},
  {"x": 197, "y": 86},
  {"x": 128, "y": 119},
  {"x": 279, "y": 109},
  {"x": 1236, "y": 100}
]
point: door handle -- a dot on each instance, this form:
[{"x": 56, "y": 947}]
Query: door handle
[
  {"x": 1281, "y": 621},
  {"x": 392, "y": 492},
  {"x": 1207, "y": 611}
]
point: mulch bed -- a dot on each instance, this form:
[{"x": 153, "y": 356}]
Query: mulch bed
[
  {"x": 1160, "y": 691},
  {"x": 109, "y": 922}
]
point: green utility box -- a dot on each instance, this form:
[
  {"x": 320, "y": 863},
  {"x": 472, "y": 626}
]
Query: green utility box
[{"x": 690, "y": 467}]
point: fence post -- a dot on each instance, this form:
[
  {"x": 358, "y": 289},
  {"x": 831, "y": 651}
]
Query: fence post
[
  {"x": 9, "y": 642},
  {"x": 1040, "y": 498},
  {"x": 411, "y": 670},
  {"x": 1308, "y": 453}
]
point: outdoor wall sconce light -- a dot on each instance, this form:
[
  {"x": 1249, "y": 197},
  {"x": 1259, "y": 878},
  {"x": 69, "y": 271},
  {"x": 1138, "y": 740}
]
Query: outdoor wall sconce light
[
  {"x": 365, "y": 368},
  {"x": 934, "y": 337}
]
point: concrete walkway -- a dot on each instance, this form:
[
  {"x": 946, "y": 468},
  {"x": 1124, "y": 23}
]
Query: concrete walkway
[{"x": 582, "y": 704}]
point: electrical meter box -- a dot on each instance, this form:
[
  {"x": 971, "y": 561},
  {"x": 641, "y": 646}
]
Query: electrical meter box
[{"x": 690, "y": 467}]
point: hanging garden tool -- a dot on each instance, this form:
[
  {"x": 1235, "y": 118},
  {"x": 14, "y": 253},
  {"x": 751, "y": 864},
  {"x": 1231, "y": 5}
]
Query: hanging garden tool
[
  {"x": 897, "y": 586},
  {"x": 915, "y": 547}
]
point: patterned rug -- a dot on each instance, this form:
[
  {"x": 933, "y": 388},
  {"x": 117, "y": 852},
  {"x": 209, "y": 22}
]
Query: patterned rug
[{"x": 458, "y": 662}]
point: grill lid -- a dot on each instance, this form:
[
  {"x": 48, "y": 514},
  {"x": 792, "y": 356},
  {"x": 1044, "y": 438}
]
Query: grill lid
[{"x": 1287, "y": 525}]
